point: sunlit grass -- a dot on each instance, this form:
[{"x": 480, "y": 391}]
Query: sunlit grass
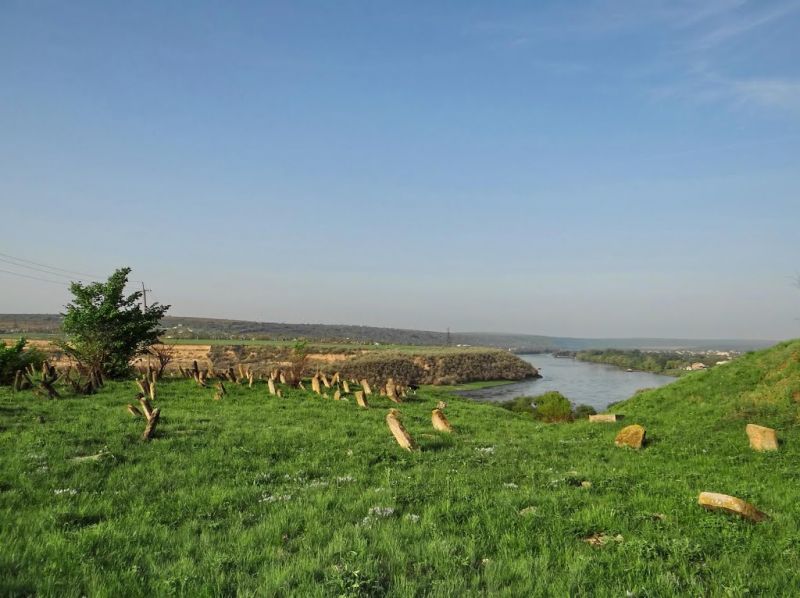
[{"x": 305, "y": 496}]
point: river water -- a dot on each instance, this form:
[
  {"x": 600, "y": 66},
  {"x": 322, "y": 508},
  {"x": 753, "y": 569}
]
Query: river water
[{"x": 581, "y": 382}]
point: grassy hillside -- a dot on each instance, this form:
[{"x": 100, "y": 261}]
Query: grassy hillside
[{"x": 305, "y": 496}]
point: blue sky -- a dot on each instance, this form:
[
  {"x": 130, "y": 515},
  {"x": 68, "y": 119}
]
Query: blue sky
[{"x": 603, "y": 168}]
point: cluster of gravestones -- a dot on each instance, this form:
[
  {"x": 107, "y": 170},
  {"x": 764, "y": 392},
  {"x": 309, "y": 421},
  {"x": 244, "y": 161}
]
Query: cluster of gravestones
[
  {"x": 83, "y": 380},
  {"x": 402, "y": 436},
  {"x": 322, "y": 385},
  {"x": 761, "y": 439},
  {"x": 244, "y": 375}
]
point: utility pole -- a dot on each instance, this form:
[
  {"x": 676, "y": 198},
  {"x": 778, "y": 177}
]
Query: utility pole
[
  {"x": 448, "y": 336},
  {"x": 144, "y": 296},
  {"x": 144, "y": 303}
]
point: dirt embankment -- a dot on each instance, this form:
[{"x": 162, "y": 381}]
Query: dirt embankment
[{"x": 423, "y": 367}]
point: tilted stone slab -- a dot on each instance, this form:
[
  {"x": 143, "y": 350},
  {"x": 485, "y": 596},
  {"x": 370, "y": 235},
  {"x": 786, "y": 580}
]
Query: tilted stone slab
[
  {"x": 391, "y": 390},
  {"x": 632, "y": 436},
  {"x": 399, "y": 432},
  {"x": 440, "y": 421},
  {"x": 730, "y": 504},
  {"x": 762, "y": 438}
]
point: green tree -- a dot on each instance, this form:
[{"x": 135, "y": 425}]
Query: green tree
[
  {"x": 105, "y": 328},
  {"x": 15, "y": 357}
]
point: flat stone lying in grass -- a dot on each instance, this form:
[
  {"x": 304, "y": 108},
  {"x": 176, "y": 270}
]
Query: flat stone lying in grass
[
  {"x": 730, "y": 504},
  {"x": 762, "y": 438},
  {"x": 632, "y": 436},
  {"x": 603, "y": 418}
]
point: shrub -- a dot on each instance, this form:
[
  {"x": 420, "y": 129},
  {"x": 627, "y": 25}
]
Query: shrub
[
  {"x": 519, "y": 405},
  {"x": 15, "y": 357},
  {"x": 549, "y": 407},
  {"x": 584, "y": 411},
  {"x": 552, "y": 407},
  {"x": 106, "y": 329}
]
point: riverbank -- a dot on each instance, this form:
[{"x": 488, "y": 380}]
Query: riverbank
[
  {"x": 673, "y": 363},
  {"x": 596, "y": 385}
]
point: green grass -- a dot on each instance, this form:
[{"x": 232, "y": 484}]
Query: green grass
[
  {"x": 260, "y": 496},
  {"x": 473, "y": 385}
]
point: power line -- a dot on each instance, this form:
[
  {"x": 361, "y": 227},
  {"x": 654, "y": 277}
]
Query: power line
[
  {"x": 33, "y": 268},
  {"x": 71, "y": 272},
  {"x": 56, "y": 269},
  {"x": 58, "y": 282}
]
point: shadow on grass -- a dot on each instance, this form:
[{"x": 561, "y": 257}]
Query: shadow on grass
[{"x": 434, "y": 442}]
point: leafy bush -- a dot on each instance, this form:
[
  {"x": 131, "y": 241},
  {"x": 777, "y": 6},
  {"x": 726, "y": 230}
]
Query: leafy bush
[
  {"x": 549, "y": 407},
  {"x": 584, "y": 411},
  {"x": 552, "y": 407},
  {"x": 519, "y": 405},
  {"x": 106, "y": 329},
  {"x": 15, "y": 357}
]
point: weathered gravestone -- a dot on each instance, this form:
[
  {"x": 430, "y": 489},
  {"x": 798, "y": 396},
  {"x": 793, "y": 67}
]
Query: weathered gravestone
[
  {"x": 440, "y": 421},
  {"x": 730, "y": 504},
  {"x": 399, "y": 432},
  {"x": 632, "y": 436},
  {"x": 762, "y": 438},
  {"x": 603, "y": 418}
]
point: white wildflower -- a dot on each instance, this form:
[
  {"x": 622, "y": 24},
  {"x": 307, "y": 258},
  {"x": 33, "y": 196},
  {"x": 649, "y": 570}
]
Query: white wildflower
[{"x": 275, "y": 498}]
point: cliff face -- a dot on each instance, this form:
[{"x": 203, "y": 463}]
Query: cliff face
[
  {"x": 424, "y": 367},
  {"x": 448, "y": 368},
  {"x": 428, "y": 365}
]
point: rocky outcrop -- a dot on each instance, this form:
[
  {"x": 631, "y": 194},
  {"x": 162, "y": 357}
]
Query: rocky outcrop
[
  {"x": 423, "y": 366},
  {"x": 444, "y": 368}
]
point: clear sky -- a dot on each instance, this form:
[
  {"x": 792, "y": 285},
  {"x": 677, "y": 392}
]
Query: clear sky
[{"x": 600, "y": 168}]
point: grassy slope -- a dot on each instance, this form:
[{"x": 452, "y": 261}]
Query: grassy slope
[{"x": 191, "y": 513}]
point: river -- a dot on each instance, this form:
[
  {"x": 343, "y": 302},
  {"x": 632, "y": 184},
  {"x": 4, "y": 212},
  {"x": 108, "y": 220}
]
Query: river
[{"x": 580, "y": 381}]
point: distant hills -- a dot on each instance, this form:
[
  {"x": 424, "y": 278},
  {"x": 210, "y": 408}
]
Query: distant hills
[{"x": 215, "y": 328}]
